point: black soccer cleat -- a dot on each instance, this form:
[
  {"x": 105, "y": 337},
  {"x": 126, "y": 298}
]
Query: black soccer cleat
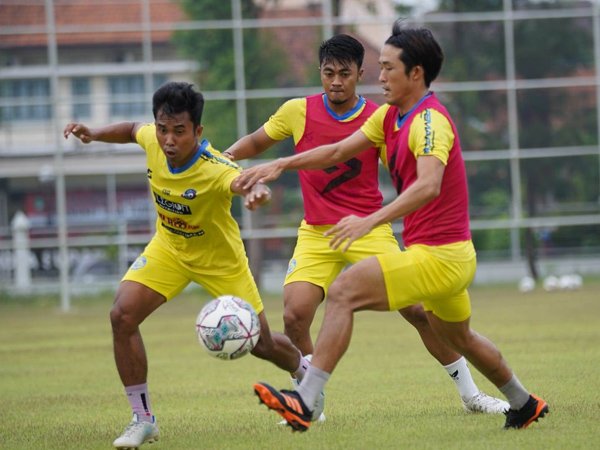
[
  {"x": 534, "y": 409},
  {"x": 288, "y": 404}
]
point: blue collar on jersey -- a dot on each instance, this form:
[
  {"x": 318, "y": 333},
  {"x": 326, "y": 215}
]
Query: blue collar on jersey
[
  {"x": 201, "y": 151},
  {"x": 401, "y": 119},
  {"x": 361, "y": 102}
]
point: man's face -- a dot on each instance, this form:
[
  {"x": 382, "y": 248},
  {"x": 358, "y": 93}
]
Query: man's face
[
  {"x": 339, "y": 81},
  {"x": 177, "y": 137},
  {"x": 397, "y": 85}
]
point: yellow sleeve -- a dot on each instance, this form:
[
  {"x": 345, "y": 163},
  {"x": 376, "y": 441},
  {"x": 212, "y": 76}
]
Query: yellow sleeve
[
  {"x": 288, "y": 121},
  {"x": 217, "y": 154},
  {"x": 145, "y": 135},
  {"x": 373, "y": 127},
  {"x": 373, "y": 130},
  {"x": 230, "y": 171},
  {"x": 431, "y": 134}
]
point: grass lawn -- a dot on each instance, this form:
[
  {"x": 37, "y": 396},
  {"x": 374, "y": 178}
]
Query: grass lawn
[{"x": 59, "y": 387}]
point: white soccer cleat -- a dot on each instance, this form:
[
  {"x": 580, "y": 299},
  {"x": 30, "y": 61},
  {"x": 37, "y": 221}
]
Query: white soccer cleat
[
  {"x": 137, "y": 433},
  {"x": 483, "y": 403}
]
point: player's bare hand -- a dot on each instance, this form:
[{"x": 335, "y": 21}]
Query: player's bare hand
[
  {"x": 348, "y": 230},
  {"x": 78, "y": 130},
  {"x": 259, "y": 174},
  {"x": 258, "y": 196}
]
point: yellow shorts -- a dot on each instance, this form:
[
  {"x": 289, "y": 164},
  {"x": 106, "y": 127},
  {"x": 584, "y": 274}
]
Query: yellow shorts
[
  {"x": 437, "y": 276},
  {"x": 315, "y": 262},
  {"x": 161, "y": 270}
]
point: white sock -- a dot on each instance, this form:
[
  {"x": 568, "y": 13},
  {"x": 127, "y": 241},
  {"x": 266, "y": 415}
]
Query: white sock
[
  {"x": 302, "y": 367},
  {"x": 140, "y": 401},
  {"x": 461, "y": 375},
  {"x": 312, "y": 385}
]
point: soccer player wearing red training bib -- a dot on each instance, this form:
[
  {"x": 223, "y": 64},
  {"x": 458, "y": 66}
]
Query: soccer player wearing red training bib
[
  {"x": 423, "y": 156},
  {"x": 346, "y": 188}
]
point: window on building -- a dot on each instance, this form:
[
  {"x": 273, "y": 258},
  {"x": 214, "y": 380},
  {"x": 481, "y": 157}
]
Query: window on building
[
  {"x": 25, "y": 100},
  {"x": 81, "y": 90},
  {"x": 127, "y": 94}
]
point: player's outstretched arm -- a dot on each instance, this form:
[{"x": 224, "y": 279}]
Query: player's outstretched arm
[
  {"x": 118, "y": 133},
  {"x": 260, "y": 173},
  {"x": 317, "y": 158},
  {"x": 250, "y": 145},
  {"x": 427, "y": 186}
]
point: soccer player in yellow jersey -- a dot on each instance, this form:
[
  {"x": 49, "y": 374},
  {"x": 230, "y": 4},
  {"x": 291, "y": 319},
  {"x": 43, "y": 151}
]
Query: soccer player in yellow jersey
[
  {"x": 348, "y": 188},
  {"x": 196, "y": 239},
  {"x": 424, "y": 159}
]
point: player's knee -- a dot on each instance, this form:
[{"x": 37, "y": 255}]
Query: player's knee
[
  {"x": 116, "y": 318},
  {"x": 340, "y": 293},
  {"x": 120, "y": 321},
  {"x": 294, "y": 319},
  {"x": 416, "y": 316}
]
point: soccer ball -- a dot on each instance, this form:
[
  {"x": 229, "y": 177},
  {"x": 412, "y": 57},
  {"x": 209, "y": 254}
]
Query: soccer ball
[
  {"x": 527, "y": 284},
  {"x": 551, "y": 283},
  {"x": 227, "y": 327},
  {"x": 570, "y": 282}
]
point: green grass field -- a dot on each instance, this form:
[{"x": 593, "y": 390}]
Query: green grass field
[{"x": 59, "y": 387}]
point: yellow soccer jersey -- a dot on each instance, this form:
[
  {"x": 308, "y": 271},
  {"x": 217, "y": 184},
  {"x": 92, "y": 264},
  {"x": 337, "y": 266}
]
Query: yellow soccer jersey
[
  {"x": 193, "y": 204},
  {"x": 290, "y": 120},
  {"x": 373, "y": 130}
]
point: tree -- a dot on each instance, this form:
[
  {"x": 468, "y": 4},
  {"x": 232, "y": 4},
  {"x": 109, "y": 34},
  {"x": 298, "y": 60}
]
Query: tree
[
  {"x": 264, "y": 65},
  {"x": 555, "y": 117}
]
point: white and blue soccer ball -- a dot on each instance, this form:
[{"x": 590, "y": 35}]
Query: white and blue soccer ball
[{"x": 227, "y": 327}]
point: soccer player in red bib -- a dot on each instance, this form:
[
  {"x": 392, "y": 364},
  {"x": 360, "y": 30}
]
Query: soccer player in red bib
[
  {"x": 423, "y": 156},
  {"x": 347, "y": 188}
]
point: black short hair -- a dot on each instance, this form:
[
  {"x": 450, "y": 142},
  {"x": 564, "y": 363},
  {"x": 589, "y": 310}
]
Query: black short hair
[
  {"x": 341, "y": 48},
  {"x": 176, "y": 97},
  {"x": 419, "y": 48}
]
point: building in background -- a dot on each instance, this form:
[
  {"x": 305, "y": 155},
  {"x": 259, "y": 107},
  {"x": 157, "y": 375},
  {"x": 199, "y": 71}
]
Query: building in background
[
  {"x": 106, "y": 61},
  {"x": 521, "y": 115}
]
